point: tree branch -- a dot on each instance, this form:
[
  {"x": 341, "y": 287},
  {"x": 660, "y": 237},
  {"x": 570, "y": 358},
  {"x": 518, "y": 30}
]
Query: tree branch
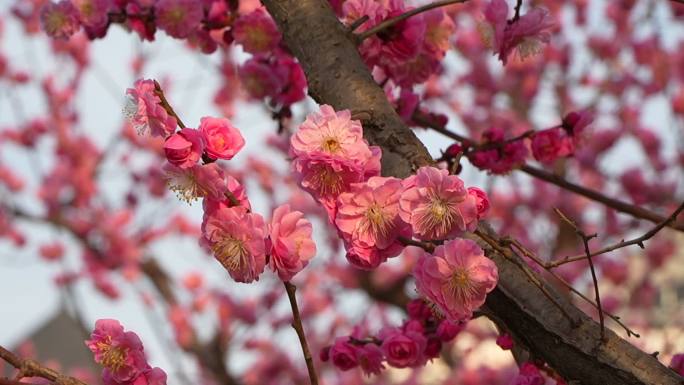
[
  {"x": 299, "y": 328},
  {"x": 337, "y": 76},
  {"x": 397, "y": 19},
  {"x": 31, "y": 368}
]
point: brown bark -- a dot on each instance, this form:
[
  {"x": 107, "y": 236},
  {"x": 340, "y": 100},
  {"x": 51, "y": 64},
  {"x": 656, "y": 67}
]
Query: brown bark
[{"x": 338, "y": 76}]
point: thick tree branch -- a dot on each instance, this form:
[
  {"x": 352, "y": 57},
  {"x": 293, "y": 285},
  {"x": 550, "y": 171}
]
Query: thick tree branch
[{"x": 337, "y": 76}]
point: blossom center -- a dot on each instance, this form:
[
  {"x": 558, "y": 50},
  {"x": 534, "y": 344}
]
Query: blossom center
[
  {"x": 331, "y": 145},
  {"x": 461, "y": 285},
  {"x": 186, "y": 187},
  {"x": 377, "y": 223},
  {"x": 112, "y": 357},
  {"x": 327, "y": 181},
  {"x": 232, "y": 253}
]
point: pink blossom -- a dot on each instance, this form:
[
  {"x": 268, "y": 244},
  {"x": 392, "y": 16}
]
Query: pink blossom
[
  {"x": 237, "y": 239},
  {"x": 437, "y": 205},
  {"x": 195, "y": 182},
  {"x": 524, "y": 34},
  {"x": 403, "y": 348},
  {"x": 343, "y": 354},
  {"x": 370, "y": 357},
  {"x": 576, "y": 122},
  {"x": 256, "y": 32},
  {"x": 179, "y": 18},
  {"x": 368, "y": 219},
  {"x": 93, "y": 13},
  {"x": 499, "y": 160},
  {"x": 210, "y": 203},
  {"x": 551, "y": 144},
  {"x": 448, "y": 330},
  {"x": 326, "y": 177},
  {"x": 677, "y": 363},
  {"x": 529, "y": 374},
  {"x": 222, "y": 138},
  {"x": 184, "y": 149},
  {"x": 121, "y": 353},
  {"x": 277, "y": 77},
  {"x": 456, "y": 278},
  {"x": 505, "y": 341},
  {"x": 258, "y": 78},
  {"x": 59, "y": 20},
  {"x": 331, "y": 132},
  {"x": 291, "y": 246},
  {"x": 145, "y": 112},
  {"x": 153, "y": 376},
  {"x": 481, "y": 201},
  {"x": 52, "y": 251}
]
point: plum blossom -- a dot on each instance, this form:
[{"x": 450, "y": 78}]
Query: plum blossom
[
  {"x": 481, "y": 201},
  {"x": 121, "y": 353},
  {"x": 277, "y": 77},
  {"x": 331, "y": 132},
  {"x": 195, "y": 182},
  {"x": 403, "y": 348},
  {"x": 145, "y": 112},
  {"x": 551, "y": 144},
  {"x": 93, "y": 13},
  {"x": 370, "y": 357},
  {"x": 677, "y": 363},
  {"x": 291, "y": 246},
  {"x": 529, "y": 374},
  {"x": 437, "y": 205},
  {"x": 184, "y": 149},
  {"x": 237, "y": 239},
  {"x": 179, "y": 18},
  {"x": 256, "y": 32},
  {"x": 456, "y": 278},
  {"x": 368, "y": 220},
  {"x": 212, "y": 203},
  {"x": 499, "y": 160},
  {"x": 59, "y": 20},
  {"x": 343, "y": 354},
  {"x": 575, "y": 122},
  {"x": 525, "y": 34},
  {"x": 223, "y": 140}
]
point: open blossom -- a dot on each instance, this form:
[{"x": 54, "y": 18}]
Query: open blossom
[
  {"x": 551, "y": 144},
  {"x": 437, "y": 205},
  {"x": 277, "y": 77},
  {"x": 59, "y": 20},
  {"x": 524, "y": 34},
  {"x": 331, "y": 132},
  {"x": 403, "y": 347},
  {"x": 370, "y": 358},
  {"x": 93, "y": 13},
  {"x": 291, "y": 246},
  {"x": 368, "y": 219},
  {"x": 184, "y": 149},
  {"x": 222, "y": 138},
  {"x": 179, "y": 18},
  {"x": 145, "y": 112},
  {"x": 237, "y": 239},
  {"x": 121, "y": 353},
  {"x": 195, "y": 182},
  {"x": 256, "y": 32},
  {"x": 456, "y": 278}
]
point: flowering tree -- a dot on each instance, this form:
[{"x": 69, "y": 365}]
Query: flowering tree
[{"x": 539, "y": 257}]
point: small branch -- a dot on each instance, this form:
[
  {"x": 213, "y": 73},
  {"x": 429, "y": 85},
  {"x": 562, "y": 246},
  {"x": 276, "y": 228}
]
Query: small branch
[
  {"x": 358, "y": 22},
  {"x": 397, "y": 19},
  {"x": 636, "y": 241},
  {"x": 585, "y": 240},
  {"x": 165, "y": 104},
  {"x": 518, "y": 5},
  {"x": 297, "y": 326},
  {"x": 7, "y": 381},
  {"x": 427, "y": 246},
  {"x": 615, "y": 204},
  {"x": 31, "y": 368}
]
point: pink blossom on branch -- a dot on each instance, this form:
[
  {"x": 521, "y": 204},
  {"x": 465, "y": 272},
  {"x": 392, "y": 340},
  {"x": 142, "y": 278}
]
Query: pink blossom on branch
[
  {"x": 59, "y": 20},
  {"x": 290, "y": 244},
  {"x": 223, "y": 140},
  {"x": 197, "y": 181},
  {"x": 121, "y": 353},
  {"x": 237, "y": 239},
  {"x": 437, "y": 205},
  {"x": 256, "y": 32},
  {"x": 403, "y": 347},
  {"x": 145, "y": 112},
  {"x": 184, "y": 149},
  {"x": 456, "y": 278},
  {"x": 179, "y": 18}
]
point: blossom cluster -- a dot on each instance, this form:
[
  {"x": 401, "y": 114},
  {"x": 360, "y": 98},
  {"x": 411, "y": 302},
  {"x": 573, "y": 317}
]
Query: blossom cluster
[
  {"x": 239, "y": 239},
  {"x": 122, "y": 355},
  {"x": 375, "y": 215},
  {"x": 412, "y": 344},
  {"x": 499, "y": 155},
  {"x": 523, "y": 34},
  {"x": 409, "y": 51}
]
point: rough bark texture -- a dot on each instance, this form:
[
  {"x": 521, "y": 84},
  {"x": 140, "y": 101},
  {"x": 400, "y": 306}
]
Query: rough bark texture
[{"x": 337, "y": 76}]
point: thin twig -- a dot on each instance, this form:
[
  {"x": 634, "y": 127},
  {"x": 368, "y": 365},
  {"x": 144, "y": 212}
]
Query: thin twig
[
  {"x": 397, "y": 19},
  {"x": 358, "y": 22},
  {"x": 636, "y": 241},
  {"x": 585, "y": 240},
  {"x": 297, "y": 326},
  {"x": 522, "y": 249},
  {"x": 495, "y": 244},
  {"x": 516, "y": 16},
  {"x": 427, "y": 246},
  {"x": 31, "y": 368},
  {"x": 635, "y": 211},
  {"x": 165, "y": 104}
]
